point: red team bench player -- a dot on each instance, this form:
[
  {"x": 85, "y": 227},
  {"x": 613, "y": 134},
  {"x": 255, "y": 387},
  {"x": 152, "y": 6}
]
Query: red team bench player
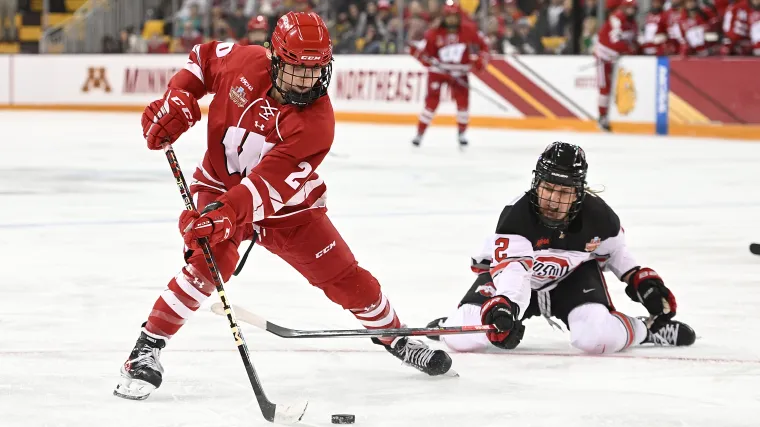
[{"x": 270, "y": 125}]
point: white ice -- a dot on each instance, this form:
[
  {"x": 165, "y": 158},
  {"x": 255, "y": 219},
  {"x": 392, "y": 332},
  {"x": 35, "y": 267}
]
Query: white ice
[{"x": 88, "y": 240}]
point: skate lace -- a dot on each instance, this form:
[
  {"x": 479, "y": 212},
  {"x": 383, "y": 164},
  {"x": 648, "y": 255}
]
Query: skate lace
[
  {"x": 666, "y": 335},
  {"x": 416, "y": 353},
  {"x": 149, "y": 358}
]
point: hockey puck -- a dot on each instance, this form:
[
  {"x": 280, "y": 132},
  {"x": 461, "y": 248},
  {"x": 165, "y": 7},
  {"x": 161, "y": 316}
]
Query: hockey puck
[{"x": 343, "y": 418}]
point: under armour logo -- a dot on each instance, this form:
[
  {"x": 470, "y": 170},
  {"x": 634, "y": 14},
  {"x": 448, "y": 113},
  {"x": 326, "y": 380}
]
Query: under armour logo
[
  {"x": 267, "y": 111},
  {"x": 260, "y": 126}
]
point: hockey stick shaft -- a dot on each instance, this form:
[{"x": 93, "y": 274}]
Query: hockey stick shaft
[
  {"x": 465, "y": 84},
  {"x": 267, "y": 407},
  {"x": 283, "y": 332}
]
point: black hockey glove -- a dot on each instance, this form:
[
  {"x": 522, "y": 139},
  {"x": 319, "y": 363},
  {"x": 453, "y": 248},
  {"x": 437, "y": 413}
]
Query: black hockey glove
[
  {"x": 502, "y": 313},
  {"x": 646, "y": 286}
]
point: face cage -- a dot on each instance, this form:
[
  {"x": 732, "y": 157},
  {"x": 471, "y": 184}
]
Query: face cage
[
  {"x": 296, "y": 98},
  {"x": 572, "y": 212}
]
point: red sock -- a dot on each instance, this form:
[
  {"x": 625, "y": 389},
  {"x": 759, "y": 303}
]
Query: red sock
[
  {"x": 378, "y": 316},
  {"x": 180, "y": 300}
]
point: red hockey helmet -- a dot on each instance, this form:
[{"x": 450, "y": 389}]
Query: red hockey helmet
[
  {"x": 258, "y": 23},
  {"x": 450, "y": 8},
  {"x": 302, "y": 41}
]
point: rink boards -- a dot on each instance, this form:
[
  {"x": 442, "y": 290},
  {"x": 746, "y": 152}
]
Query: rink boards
[{"x": 650, "y": 95}]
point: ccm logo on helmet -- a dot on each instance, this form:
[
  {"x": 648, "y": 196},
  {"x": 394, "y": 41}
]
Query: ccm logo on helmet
[{"x": 310, "y": 58}]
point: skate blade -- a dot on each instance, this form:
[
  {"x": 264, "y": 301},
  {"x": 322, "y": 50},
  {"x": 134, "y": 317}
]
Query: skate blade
[
  {"x": 450, "y": 373},
  {"x": 133, "y": 389}
]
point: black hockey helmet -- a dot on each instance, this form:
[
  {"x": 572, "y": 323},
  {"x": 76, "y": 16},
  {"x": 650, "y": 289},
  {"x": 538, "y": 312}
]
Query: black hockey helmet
[{"x": 560, "y": 164}]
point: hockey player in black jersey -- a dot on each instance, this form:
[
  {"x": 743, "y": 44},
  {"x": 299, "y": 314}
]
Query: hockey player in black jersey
[{"x": 547, "y": 257}]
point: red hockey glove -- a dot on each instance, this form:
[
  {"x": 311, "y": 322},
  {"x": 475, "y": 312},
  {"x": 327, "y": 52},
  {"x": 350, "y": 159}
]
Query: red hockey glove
[
  {"x": 216, "y": 223},
  {"x": 167, "y": 118},
  {"x": 502, "y": 313},
  {"x": 646, "y": 286},
  {"x": 219, "y": 219},
  {"x": 478, "y": 62}
]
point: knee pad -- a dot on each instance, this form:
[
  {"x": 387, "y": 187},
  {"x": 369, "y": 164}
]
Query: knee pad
[
  {"x": 588, "y": 328},
  {"x": 355, "y": 290}
]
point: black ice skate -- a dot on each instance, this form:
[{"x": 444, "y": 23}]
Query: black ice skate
[
  {"x": 419, "y": 356},
  {"x": 462, "y": 141},
  {"x": 437, "y": 323},
  {"x": 142, "y": 372},
  {"x": 417, "y": 140},
  {"x": 672, "y": 333},
  {"x": 604, "y": 124}
]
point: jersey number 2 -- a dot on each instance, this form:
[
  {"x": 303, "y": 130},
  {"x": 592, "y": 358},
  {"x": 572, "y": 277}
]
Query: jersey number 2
[
  {"x": 500, "y": 254},
  {"x": 303, "y": 173}
]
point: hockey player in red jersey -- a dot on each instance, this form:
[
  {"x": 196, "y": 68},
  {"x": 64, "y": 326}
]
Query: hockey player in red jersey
[
  {"x": 697, "y": 29},
  {"x": 618, "y": 36},
  {"x": 654, "y": 40},
  {"x": 270, "y": 125},
  {"x": 258, "y": 29},
  {"x": 546, "y": 258},
  {"x": 736, "y": 29},
  {"x": 447, "y": 51}
]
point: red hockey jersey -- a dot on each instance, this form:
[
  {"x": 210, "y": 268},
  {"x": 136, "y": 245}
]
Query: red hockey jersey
[
  {"x": 452, "y": 53},
  {"x": 736, "y": 35},
  {"x": 698, "y": 35},
  {"x": 654, "y": 40},
  {"x": 272, "y": 149},
  {"x": 618, "y": 36}
]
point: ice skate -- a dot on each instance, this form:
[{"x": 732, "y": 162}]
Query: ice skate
[
  {"x": 437, "y": 323},
  {"x": 419, "y": 356},
  {"x": 604, "y": 124},
  {"x": 672, "y": 333},
  {"x": 142, "y": 372},
  {"x": 463, "y": 143},
  {"x": 417, "y": 141}
]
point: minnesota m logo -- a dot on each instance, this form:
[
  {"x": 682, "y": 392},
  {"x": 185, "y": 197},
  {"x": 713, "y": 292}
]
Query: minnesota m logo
[{"x": 96, "y": 78}]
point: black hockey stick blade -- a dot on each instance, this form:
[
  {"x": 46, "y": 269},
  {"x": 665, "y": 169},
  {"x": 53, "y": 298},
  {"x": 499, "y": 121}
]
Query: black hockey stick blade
[
  {"x": 754, "y": 248},
  {"x": 283, "y": 332}
]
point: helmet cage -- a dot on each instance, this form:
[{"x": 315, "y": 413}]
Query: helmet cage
[{"x": 571, "y": 175}]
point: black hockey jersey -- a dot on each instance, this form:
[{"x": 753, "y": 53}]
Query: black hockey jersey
[{"x": 524, "y": 255}]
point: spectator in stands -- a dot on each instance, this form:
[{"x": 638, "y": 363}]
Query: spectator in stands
[
  {"x": 258, "y": 31},
  {"x": 189, "y": 38},
  {"x": 589, "y": 34},
  {"x": 238, "y": 22},
  {"x": 525, "y": 39},
  {"x": 156, "y": 43},
  {"x": 344, "y": 39},
  {"x": 552, "y": 20},
  {"x": 193, "y": 18},
  {"x": 8, "y": 9},
  {"x": 494, "y": 37}
]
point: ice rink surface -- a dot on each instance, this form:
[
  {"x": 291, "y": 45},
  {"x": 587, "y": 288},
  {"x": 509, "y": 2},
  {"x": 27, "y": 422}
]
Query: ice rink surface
[{"x": 88, "y": 240}]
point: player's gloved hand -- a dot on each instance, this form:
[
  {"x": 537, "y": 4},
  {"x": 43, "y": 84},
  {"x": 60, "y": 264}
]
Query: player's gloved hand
[
  {"x": 478, "y": 62},
  {"x": 646, "y": 286},
  {"x": 164, "y": 120},
  {"x": 502, "y": 313},
  {"x": 216, "y": 223}
]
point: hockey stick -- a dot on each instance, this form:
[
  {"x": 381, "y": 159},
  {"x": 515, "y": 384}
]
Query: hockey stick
[
  {"x": 270, "y": 411},
  {"x": 283, "y": 332},
  {"x": 755, "y": 248},
  {"x": 465, "y": 84}
]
